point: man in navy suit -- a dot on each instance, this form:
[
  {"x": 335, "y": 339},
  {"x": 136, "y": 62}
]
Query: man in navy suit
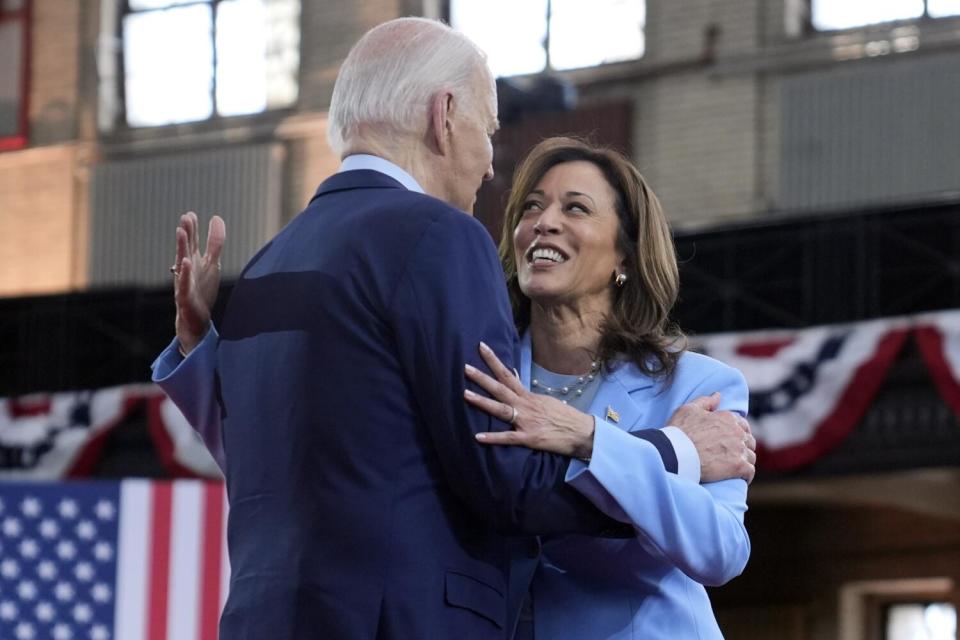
[{"x": 361, "y": 506}]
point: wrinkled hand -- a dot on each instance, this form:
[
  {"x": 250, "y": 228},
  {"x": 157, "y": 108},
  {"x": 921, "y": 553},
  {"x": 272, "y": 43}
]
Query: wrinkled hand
[
  {"x": 541, "y": 422},
  {"x": 723, "y": 439},
  {"x": 196, "y": 278}
]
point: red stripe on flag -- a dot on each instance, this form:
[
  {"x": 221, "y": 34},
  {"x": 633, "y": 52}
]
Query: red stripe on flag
[
  {"x": 159, "y": 581},
  {"x": 91, "y": 451},
  {"x": 210, "y": 570},
  {"x": 768, "y": 349},
  {"x": 27, "y": 406},
  {"x": 162, "y": 439},
  {"x": 848, "y": 411},
  {"x": 931, "y": 343}
]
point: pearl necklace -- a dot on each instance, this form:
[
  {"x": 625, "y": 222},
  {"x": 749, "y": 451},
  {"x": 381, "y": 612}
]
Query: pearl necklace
[{"x": 576, "y": 388}]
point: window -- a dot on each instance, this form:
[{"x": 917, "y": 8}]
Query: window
[
  {"x": 191, "y": 60},
  {"x": 899, "y": 609},
  {"x": 14, "y": 68},
  {"x": 829, "y": 15},
  {"x": 534, "y": 35},
  {"x": 920, "y": 621}
]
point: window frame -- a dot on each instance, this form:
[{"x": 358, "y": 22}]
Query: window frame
[
  {"x": 924, "y": 18},
  {"x": 880, "y": 608},
  {"x": 445, "y": 13},
  {"x": 20, "y": 139},
  {"x": 215, "y": 119},
  {"x": 126, "y": 10},
  {"x": 862, "y": 604}
]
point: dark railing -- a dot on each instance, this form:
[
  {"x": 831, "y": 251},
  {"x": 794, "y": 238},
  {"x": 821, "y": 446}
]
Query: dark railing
[
  {"x": 819, "y": 270},
  {"x": 779, "y": 273}
]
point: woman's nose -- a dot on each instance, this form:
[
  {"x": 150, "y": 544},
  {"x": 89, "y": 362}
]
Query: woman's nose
[{"x": 547, "y": 222}]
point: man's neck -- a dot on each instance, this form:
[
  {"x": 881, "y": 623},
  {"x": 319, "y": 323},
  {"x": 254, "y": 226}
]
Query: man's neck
[{"x": 405, "y": 156}]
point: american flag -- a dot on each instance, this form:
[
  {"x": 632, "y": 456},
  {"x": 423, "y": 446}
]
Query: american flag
[{"x": 130, "y": 560}]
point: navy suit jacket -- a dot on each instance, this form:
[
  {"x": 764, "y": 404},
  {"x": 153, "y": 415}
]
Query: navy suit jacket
[{"x": 360, "y": 504}]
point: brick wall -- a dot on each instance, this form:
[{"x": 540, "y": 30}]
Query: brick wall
[
  {"x": 309, "y": 161},
  {"x": 54, "y": 78},
  {"x": 40, "y": 222},
  {"x": 329, "y": 30},
  {"x": 695, "y": 142},
  {"x": 699, "y": 136},
  {"x": 678, "y": 30},
  {"x": 705, "y": 101}
]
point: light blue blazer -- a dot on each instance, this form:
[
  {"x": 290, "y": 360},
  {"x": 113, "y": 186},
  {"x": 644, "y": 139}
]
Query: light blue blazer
[
  {"x": 688, "y": 535},
  {"x": 585, "y": 588}
]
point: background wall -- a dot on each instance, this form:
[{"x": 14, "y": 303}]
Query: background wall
[{"x": 765, "y": 140}]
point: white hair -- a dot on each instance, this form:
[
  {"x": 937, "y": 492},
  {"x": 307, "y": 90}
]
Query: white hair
[{"x": 393, "y": 72}]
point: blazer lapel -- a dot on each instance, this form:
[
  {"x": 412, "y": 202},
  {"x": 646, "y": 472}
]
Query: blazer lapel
[{"x": 623, "y": 397}]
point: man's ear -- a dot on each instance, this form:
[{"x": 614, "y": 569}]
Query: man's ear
[{"x": 441, "y": 110}]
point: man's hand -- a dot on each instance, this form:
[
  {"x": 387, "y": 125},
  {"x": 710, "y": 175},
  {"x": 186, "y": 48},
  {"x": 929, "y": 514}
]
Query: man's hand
[
  {"x": 723, "y": 439},
  {"x": 196, "y": 278}
]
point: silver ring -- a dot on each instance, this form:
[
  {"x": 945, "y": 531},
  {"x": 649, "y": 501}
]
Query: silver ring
[
  {"x": 513, "y": 417},
  {"x": 174, "y": 270}
]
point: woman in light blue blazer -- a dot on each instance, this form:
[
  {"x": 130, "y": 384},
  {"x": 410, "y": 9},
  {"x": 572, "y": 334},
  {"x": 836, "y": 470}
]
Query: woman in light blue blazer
[{"x": 592, "y": 275}]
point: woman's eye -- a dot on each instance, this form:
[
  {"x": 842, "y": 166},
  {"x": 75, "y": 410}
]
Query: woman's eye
[
  {"x": 577, "y": 208},
  {"x": 530, "y": 205}
]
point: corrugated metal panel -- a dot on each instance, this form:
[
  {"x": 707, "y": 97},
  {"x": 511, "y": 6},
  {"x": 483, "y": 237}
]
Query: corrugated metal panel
[
  {"x": 137, "y": 203},
  {"x": 871, "y": 132}
]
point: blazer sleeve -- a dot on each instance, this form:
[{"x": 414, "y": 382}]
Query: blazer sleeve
[
  {"x": 450, "y": 296},
  {"x": 698, "y": 528},
  {"x": 191, "y": 384}
]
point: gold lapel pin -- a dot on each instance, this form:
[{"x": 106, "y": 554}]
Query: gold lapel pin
[{"x": 612, "y": 415}]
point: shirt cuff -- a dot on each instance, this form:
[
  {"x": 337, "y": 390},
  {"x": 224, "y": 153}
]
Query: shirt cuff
[{"x": 688, "y": 460}]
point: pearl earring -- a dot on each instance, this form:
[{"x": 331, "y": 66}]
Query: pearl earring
[{"x": 620, "y": 279}]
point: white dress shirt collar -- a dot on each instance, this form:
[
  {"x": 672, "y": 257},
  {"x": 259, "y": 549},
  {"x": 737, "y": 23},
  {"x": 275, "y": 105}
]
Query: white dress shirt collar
[{"x": 376, "y": 163}]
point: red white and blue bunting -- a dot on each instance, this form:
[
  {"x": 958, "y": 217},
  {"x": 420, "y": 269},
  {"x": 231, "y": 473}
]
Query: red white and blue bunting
[
  {"x": 809, "y": 389},
  {"x": 58, "y": 435}
]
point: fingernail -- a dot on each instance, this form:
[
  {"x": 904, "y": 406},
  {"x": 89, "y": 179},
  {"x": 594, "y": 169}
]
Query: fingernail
[
  {"x": 468, "y": 393},
  {"x": 470, "y": 368},
  {"x": 481, "y": 436},
  {"x": 483, "y": 346}
]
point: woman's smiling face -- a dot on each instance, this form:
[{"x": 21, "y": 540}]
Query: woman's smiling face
[{"x": 565, "y": 242}]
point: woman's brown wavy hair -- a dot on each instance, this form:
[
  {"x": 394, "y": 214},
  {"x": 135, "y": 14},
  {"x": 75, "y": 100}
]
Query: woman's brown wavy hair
[{"x": 639, "y": 327}]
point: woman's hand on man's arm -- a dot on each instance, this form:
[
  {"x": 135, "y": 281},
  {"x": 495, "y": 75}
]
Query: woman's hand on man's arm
[{"x": 539, "y": 422}]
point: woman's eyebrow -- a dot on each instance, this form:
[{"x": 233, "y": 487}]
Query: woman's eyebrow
[{"x": 574, "y": 194}]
